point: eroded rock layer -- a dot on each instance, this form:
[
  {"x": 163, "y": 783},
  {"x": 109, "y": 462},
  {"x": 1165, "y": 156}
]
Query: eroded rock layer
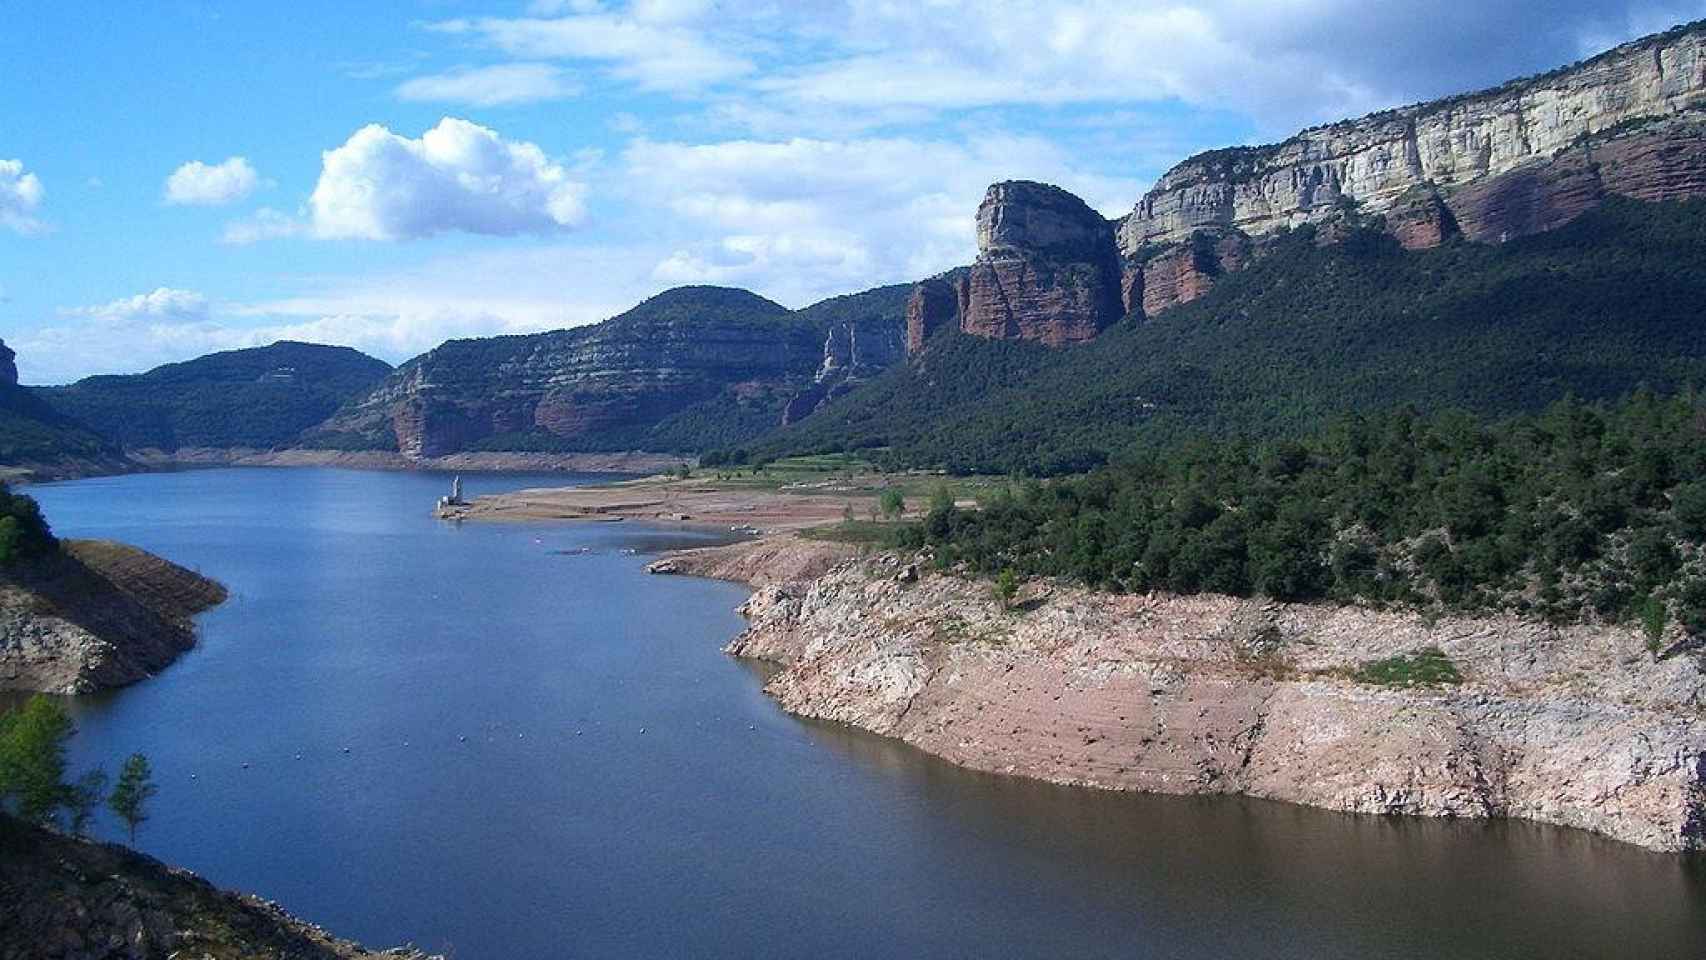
[
  {"x": 1208, "y": 694},
  {"x": 1446, "y": 143}
]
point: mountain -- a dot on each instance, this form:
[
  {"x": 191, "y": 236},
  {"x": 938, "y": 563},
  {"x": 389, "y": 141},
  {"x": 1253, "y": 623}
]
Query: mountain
[
  {"x": 37, "y": 439},
  {"x": 1306, "y": 331},
  {"x": 1493, "y": 251},
  {"x": 1492, "y": 166},
  {"x": 258, "y": 398},
  {"x": 692, "y": 368}
]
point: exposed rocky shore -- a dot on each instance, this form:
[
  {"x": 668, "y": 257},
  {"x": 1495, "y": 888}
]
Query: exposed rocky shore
[
  {"x": 66, "y": 899},
  {"x": 99, "y": 614},
  {"x": 1578, "y": 726}
]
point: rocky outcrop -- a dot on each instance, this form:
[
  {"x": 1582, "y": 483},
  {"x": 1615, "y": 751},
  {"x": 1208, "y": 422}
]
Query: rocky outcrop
[
  {"x": 1208, "y": 694},
  {"x": 98, "y": 614},
  {"x": 70, "y": 899},
  {"x": 599, "y": 387},
  {"x": 857, "y": 346},
  {"x": 1164, "y": 277},
  {"x": 8, "y": 366},
  {"x": 1046, "y": 270},
  {"x": 1444, "y": 145},
  {"x": 935, "y": 305}
]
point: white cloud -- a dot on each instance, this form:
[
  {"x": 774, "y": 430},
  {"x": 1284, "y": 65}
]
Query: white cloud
[
  {"x": 458, "y": 176},
  {"x": 163, "y": 303},
  {"x": 264, "y": 224},
  {"x": 20, "y": 195},
  {"x": 507, "y": 83},
  {"x": 651, "y": 46},
  {"x": 199, "y": 184},
  {"x": 805, "y": 218}
]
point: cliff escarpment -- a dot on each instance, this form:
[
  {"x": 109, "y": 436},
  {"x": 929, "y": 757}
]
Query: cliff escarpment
[
  {"x": 1521, "y": 159},
  {"x": 75, "y": 899},
  {"x": 96, "y": 614},
  {"x": 1578, "y": 726},
  {"x": 690, "y": 368},
  {"x": 1447, "y": 145}
]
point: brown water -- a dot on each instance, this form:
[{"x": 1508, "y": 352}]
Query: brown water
[{"x": 549, "y": 757}]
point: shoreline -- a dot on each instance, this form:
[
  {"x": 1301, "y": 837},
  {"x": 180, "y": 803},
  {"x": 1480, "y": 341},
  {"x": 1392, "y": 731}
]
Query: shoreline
[
  {"x": 148, "y": 460},
  {"x": 1209, "y": 694}
]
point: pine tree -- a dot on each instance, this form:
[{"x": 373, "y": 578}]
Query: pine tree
[{"x": 130, "y": 797}]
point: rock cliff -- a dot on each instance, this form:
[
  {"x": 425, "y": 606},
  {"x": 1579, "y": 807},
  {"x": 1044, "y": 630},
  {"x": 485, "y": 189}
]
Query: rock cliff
[
  {"x": 1451, "y": 144},
  {"x": 1523, "y": 158},
  {"x": 1047, "y": 269},
  {"x": 690, "y": 369},
  {"x": 594, "y": 387},
  {"x": 8, "y": 366},
  {"x": 1208, "y": 694},
  {"x": 77, "y": 900},
  {"x": 97, "y": 614}
]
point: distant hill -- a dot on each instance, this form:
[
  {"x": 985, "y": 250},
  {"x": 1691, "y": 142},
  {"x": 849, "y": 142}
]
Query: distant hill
[
  {"x": 36, "y": 438},
  {"x": 1606, "y": 303},
  {"x": 690, "y": 369},
  {"x": 260, "y": 398}
]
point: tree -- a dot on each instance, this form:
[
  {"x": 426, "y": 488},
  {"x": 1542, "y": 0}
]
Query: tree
[
  {"x": 892, "y": 503},
  {"x": 130, "y": 797},
  {"x": 1006, "y": 588},
  {"x": 32, "y": 759}
]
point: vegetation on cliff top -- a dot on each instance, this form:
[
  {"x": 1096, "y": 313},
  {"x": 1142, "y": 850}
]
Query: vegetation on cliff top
[
  {"x": 1304, "y": 333},
  {"x": 1594, "y": 513}
]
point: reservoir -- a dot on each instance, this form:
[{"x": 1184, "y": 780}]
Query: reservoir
[{"x": 507, "y": 741}]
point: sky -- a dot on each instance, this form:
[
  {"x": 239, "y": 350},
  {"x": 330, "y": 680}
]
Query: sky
[{"x": 182, "y": 177}]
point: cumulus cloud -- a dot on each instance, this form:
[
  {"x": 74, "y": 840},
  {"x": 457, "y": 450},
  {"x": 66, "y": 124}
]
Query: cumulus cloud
[
  {"x": 20, "y": 195},
  {"x": 458, "y": 176},
  {"x": 493, "y": 86},
  {"x": 805, "y": 218},
  {"x": 211, "y": 185}
]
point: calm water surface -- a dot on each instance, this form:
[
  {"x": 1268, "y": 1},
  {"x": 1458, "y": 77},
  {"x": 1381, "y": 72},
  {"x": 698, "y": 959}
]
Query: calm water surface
[{"x": 626, "y": 790}]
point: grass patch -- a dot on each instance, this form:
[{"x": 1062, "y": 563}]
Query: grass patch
[{"x": 1427, "y": 667}]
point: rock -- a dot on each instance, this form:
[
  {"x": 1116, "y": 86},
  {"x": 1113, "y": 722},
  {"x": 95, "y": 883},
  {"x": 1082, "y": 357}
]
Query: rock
[
  {"x": 1451, "y": 143},
  {"x": 1047, "y": 268},
  {"x": 855, "y": 349},
  {"x": 1211, "y": 694},
  {"x": 604, "y": 385},
  {"x": 1181, "y": 273},
  {"x": 8, "y": 366},
  {"x": 934, "y": 304},
  {"x": 1420, "y": 219},
  {"x": 62, "y": 897},
  {"x": 99, "y": 614}
]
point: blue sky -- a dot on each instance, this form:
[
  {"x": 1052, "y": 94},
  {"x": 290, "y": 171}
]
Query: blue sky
[{"x": 182, "y": 177}]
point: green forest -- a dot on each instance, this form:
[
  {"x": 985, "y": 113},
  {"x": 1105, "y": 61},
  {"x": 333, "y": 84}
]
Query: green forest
[
  {"x": 1579, "y": 513},
  {"x": 1307, "y": 331},
  {"x": 24, "y": 533},
  {"x": 261, "y": 397}
]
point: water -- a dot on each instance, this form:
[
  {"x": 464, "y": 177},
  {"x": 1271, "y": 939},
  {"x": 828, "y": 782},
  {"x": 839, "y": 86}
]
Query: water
[{"x": 626, "y": 790}]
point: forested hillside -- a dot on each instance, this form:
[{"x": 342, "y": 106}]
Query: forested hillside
[
  {"x": 261, "y": 397},
  {"x": 1311, "y": 329},
  {"x": 1579, "y": 513}
]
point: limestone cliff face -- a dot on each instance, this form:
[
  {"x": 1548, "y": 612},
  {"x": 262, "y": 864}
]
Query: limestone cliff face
[
  {"x": 8, "y": 366},
  {"x": 1046, "y": 270},
  {"x": 1209, "y": 694},
  {"x": 865, "y": 334},
  {"x": 1445, "y": 144},
  {"x": 588, "y": 385}
]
